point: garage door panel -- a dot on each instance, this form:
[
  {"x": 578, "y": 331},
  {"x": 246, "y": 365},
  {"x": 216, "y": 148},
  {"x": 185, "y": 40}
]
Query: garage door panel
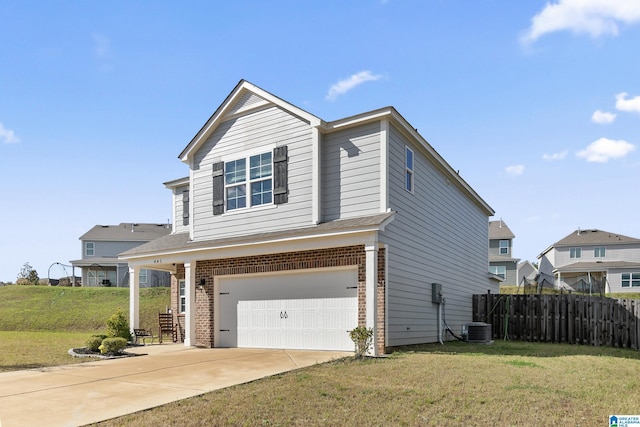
[{"x": 299, "y": 311}]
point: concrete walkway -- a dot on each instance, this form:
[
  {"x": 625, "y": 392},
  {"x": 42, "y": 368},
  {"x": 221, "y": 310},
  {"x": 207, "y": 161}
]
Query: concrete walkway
[{"x": 74, "y": 395}]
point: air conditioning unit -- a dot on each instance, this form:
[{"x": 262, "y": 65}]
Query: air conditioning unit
[{"x": 477, "y": 332}]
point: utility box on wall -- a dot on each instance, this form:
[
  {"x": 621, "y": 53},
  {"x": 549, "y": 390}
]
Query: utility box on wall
[{"x": 436, "y": 293}]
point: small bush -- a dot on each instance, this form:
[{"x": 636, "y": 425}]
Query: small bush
[
  {"x": 118, "y": 326},
  {"x": 113, "y": 345},
  {"x": 93, "y": 343},
  {"x": 362, "y": 337}
]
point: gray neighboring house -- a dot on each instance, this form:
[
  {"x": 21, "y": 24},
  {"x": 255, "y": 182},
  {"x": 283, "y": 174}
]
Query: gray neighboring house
[
  {"x": 526, "y": 273},
  {"x": 593, "y": 260},
  {"x": 290, "y": 230},
  {"x": 501, "y": 262},
  {"x": 102, "y": 244}
]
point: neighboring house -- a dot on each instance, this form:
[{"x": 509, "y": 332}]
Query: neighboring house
[
  {"x": 501, "y": 261},
  {"x": 101, "y": 246},
  {"x": 593, "y": 261},
  {"x": 526, "y": 273},
  {"x": 289, "y": 231}
]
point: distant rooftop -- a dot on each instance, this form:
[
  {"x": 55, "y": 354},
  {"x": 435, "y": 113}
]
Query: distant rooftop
[
  {"x": 499, "y": 230},
  {"x": 127, "y": 231},
  {"x": 594, "y": 237}
]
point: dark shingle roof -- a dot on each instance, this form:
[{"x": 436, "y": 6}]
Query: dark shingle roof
[
  {"x": 594, "y": 237},
  {"x": 127, "y": 232},
  {"x": 597, "y": 266},
  {"x": 499, "y": 230}
]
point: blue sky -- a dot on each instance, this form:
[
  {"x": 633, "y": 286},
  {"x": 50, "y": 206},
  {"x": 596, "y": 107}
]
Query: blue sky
[{"x": 536, "y": 103}]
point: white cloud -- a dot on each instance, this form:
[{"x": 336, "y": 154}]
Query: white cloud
[
  {"x": 555, "y": 156},
  {"x": 593, "y": 17},
  {"x": 631, "y": 105},
  {"x": 514, "y": 170},
  {"x": 7, "y": 135},
  {"x": 602, "y": 117},
  {"x": 101, "y": 46},
  {"x": 345, "y": 85},
  {"x": 604, "y": 149}
]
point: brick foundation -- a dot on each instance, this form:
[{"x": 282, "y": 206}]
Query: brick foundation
[{"x": 280, "y": 262}]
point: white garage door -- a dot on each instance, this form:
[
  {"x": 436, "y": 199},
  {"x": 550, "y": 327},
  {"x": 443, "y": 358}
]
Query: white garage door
[{"x": 311, "y": 310}]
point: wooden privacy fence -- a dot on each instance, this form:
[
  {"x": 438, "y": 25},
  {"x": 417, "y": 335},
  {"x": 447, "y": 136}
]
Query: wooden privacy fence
[{"x": 568, "y": 318}]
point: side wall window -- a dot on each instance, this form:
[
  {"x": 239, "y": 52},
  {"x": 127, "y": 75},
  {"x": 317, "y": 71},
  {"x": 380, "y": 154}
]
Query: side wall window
[
  {"x": 185, "y": 207},
  {"x": 504, "y": 247},
  {"x": 89, "y": 249},
  {"x": 408, "y": 169},
  {"x": 182, "y": 303}
]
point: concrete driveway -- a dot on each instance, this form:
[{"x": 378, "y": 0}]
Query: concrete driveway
[{"x": 74, "y": 395}]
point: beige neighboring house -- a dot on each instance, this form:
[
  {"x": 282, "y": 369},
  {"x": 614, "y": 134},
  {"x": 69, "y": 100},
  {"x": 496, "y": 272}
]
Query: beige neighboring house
[
  {"x": 594, "y": 260},
  {"x": 501, "y": 261},
  {"x": 101, "y": 246}
]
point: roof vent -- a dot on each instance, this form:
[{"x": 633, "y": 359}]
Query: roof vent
[{"x": 477, "y": 332}]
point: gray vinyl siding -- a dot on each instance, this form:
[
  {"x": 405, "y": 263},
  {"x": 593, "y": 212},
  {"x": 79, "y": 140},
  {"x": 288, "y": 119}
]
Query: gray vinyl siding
[
  {"x": 109, "y": 249},
  {"x": 438, "y": 235},
  {"x": 511, "y": 270},
  {"x": 351, "y": 172},
  {"x": 625, "y": 252},
  {"x": 494, "y": 248},
  {"x": 177, "y": 221},
  {"x": 262, "y": 128}
]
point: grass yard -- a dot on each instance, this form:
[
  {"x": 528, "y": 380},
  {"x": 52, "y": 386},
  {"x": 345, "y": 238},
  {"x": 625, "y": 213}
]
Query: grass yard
[
  {"x": 458, "y": 384},
  {"x": 39, "y": 324}
]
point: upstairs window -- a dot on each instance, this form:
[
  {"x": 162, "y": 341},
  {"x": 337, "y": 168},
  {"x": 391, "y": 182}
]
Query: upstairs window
[
  {"x": 599, "y": 252},
  {"x": 89, "y": 249},
  {"x": 258, "y": 182},
  {"x": 630, "y": 279},
  {"x": 504, "y": 247},
  {"x": 185, "y": 207},
  {"x": 575, "y": 253},
  {"x": 253, "y": 180},
  {"x": 408, "y": 169}
]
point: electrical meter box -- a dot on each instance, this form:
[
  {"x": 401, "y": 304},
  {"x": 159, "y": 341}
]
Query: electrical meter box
[{"x": 436, "y": 293}]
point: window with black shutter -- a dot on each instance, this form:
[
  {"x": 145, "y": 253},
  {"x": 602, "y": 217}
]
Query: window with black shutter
[{"x": 218, "y": 188}]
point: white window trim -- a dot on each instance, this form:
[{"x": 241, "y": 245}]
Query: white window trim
[
  {"x": 577, "y": 251},
  {"x": 500, "y": 247},
  {"x": 143, "y": 276},
  {"x": 600, "y": 252},
  {"x": 411, "y": 171},
  {"x": 182, "y": 298},
  {"x": 86, "y": 248},
  {"x": 248, "y": 181}
]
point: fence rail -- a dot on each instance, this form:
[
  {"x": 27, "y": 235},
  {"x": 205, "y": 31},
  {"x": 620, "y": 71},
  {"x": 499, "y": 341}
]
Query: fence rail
[{"x": 568, "y": 318}]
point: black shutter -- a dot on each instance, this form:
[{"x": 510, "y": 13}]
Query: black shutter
[
  {"x": 280, "y": 172},
  {"x": 218, "y": 188},
  {"x": 185, "y": 207}
]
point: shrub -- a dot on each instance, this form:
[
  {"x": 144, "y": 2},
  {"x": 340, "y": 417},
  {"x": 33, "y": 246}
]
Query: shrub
[
  {"x": 362, "y": 337},
  {"x": 118, "y": 326},
  {"x": 113, "y": 345},
  {"x": 93, "y": 343}
]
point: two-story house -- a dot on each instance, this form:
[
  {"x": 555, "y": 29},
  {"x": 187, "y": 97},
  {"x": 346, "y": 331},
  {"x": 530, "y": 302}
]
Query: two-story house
[
  {"x": 593, "y": 261},
  {"x": 102, "y": 244},
  {"x": 501, "y": 261},
  {"x": 290, "y": 230}
]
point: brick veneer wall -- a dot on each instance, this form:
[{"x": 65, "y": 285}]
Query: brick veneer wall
[{"x": 288, "y": 261}]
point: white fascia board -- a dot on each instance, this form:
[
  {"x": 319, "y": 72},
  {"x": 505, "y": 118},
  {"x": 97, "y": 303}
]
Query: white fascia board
[
  {"x": 176, "y": 183},
  {"x": 384, "y": 165}
]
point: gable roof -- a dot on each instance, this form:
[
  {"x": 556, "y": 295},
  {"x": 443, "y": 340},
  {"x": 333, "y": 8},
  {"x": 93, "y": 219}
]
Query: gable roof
[
  {"x": 127, "y": 232},
  {"x": 499, "y": 230},
  {"x": 594, "y": 237},
  {"x": 244, "y": 97}
]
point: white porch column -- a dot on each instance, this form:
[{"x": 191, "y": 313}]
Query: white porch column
[
  {"x": 371, "y": 288},
  {"x": 190, "y": 297},
  {"x": 134, "y": 298}
]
